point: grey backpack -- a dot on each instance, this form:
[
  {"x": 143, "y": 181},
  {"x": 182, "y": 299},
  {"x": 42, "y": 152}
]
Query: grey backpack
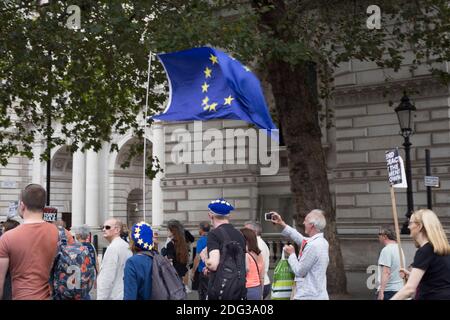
[{"x": 166, "y": 283}]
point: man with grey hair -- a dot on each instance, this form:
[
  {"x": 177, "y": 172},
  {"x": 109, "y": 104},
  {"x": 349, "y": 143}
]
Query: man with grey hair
[
  {"x": 389, "y": 280},
  {"x": 310, "y": 267},
  {"x": 256, "y": 227},
  {"x": 110, "y": 278},
  {"x": 82, "y": 235}
]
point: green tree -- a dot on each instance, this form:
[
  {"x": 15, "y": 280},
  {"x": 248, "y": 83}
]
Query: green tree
[{"x": 91, "y": 81}]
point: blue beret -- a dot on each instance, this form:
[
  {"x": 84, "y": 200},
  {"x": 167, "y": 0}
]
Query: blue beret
[
  {"x": 142, "y": 235},
  {"x": 220, "y": 206}
]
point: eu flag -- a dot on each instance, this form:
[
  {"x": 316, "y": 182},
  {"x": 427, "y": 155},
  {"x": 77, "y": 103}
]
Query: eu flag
[{"x": 206, "y": 83}]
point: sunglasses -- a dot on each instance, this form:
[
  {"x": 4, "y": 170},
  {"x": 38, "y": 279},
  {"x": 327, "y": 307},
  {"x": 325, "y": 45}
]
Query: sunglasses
[{"x": 106, "y": 227}]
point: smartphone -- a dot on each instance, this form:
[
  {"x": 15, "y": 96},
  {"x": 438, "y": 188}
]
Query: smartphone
[{"x": 268, "y": 216}]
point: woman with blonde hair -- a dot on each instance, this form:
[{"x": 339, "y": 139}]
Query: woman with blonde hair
[{"x": 429, "y": 278}]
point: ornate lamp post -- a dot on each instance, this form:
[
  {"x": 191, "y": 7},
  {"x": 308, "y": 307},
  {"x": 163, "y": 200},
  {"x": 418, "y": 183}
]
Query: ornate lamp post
[{"x": 405, "y": 113}]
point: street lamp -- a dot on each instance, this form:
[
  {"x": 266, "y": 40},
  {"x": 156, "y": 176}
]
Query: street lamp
[{"x": 405, "y": 113}]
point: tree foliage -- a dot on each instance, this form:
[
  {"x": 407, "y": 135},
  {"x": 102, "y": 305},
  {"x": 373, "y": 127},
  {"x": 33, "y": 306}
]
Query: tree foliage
[{"x": 92, "y": 81}]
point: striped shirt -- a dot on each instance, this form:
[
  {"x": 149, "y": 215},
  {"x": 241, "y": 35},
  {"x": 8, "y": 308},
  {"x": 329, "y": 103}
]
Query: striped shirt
[{"x": 311, "y": 267}]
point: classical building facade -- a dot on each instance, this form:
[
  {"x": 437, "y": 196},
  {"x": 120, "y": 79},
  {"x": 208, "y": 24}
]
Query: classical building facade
[{"x": 89, "y": 187}]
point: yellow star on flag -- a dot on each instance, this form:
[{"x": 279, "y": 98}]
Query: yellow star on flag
[
  {"x": 205, "y": 101},
  {"x": 137, "y": 230},
  {"x": 140, "y": 241},
  {"x": 213, "y": 59},
  {"x": 137, "y": 235},
  {"x": 207, "y": 72},
  {"x": 205, "y": 87},
  {"x": 206, "y": 107},
  {"x": 145, "y": 245},
  {"x": 228, "y": 100},
  {"x": 212, "y": 106}
]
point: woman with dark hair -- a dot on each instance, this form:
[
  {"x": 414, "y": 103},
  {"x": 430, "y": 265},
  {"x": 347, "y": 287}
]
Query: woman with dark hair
[
  {"x": 254, "y": 265},
  {"x": 177, "y": 248}
]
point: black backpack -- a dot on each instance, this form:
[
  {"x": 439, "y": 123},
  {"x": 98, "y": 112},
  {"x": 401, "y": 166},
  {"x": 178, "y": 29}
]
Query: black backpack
[
  {"x": 230, "y": 277},
  {"x": 166, "y": 283}
]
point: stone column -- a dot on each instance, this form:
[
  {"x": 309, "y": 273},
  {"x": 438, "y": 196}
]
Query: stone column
[
  {"x": 157, "y": 198},
  {"x": 78, "y": 188},
  {"x": 37, "y": 165},
  {"x": 92, "y": 189}
]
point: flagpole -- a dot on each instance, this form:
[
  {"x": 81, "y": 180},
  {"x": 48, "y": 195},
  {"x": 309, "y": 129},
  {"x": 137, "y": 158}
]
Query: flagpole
[{"x": 145, "y": 128}]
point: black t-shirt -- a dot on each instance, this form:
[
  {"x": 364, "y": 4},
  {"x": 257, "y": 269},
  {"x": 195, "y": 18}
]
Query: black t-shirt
[
  {"x": 171, "y": 254},
  {"x": 435, "y": 283},
  {"x": 216, "y": 239}
]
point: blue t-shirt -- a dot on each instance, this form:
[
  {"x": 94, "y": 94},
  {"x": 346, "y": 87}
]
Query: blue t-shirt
[
  {"x": 201, "y": 244},
  {"x": 138, "y": 278}
]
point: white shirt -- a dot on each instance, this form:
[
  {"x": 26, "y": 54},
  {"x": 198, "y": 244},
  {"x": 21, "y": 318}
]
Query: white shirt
[
  {"x": 311, "y": 268},
  {"x": 266, "y": 255},
  {"x": 110, "y": 278}
]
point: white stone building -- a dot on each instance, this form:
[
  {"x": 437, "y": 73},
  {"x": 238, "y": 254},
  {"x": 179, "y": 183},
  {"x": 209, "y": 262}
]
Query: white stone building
[{"x": 87, "y": 188}]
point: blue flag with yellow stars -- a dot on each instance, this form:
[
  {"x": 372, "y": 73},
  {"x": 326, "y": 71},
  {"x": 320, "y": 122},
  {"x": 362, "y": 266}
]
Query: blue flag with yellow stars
[{"x": 206, "y": 83}]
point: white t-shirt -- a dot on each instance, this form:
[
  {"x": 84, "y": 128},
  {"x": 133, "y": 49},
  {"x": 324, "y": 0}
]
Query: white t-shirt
[
  {"x": 389, "y": 257},
  {"x": 266, "y": 255}
]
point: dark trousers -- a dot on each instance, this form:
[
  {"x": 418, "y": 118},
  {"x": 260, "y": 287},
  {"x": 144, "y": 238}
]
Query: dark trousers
[
  {"x": 387, "y": 295},
  {"x": 202, "y": 286},
  {"x": 266, "y": 291}
]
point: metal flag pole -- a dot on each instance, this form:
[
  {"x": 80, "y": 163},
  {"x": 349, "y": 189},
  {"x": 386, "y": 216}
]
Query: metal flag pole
[{"x": 145, "y": 128}]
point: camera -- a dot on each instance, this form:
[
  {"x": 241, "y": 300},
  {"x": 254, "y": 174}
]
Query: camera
[{"x": 268, "y": 216}]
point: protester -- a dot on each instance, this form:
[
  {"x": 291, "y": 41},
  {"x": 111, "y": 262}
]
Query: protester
[
  {"x": 199, "y": 266},
  {"x": 256, "y": 227},
  {"x": 29, "y": 249},
  {"x": 254, "y": 266},
  {"x": 177, "y": 249},
  {"x": 110, "y": 278},
  {"x": 224, "y": 232},
  {"x": 429, "y": 278},
  {"x": 7, "y": 289},
  {"x": 138, "y": 269},
  {"x": 389, "y": 280},
  {"x": 311, "y": 265},
  {"x": 82, "y": 235}
]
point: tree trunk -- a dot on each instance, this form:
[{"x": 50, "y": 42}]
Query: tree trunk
[{"x": 295, "y": 93}]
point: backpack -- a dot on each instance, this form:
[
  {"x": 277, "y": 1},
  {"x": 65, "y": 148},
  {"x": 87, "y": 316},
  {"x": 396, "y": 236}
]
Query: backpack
[
  {"x": 73, "y": 273},
  {"x": 230, "y": 276},
  {"x": 166, "y": 283}
]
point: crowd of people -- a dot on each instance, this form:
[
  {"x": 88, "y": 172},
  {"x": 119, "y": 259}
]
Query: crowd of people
[{"x": 227, "y": 263}]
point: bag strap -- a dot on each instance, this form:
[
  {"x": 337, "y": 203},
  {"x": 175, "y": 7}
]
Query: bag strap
[
  {"x": 225, "y": 236},
  {"x": 256, "y": 263},
  {"x": 62, "y": 239},
  {"x": 147, "y": 253},
  {"x": 261, "y": 282}
]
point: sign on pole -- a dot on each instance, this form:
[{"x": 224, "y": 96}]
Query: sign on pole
[
  {"x": 431, "y": 181},
  {"x": 397, "y": 178},
  {"x": 394, "y": 167}
]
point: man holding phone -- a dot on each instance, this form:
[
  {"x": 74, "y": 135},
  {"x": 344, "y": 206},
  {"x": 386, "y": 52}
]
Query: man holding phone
[{"x": 311, "y": 265}]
